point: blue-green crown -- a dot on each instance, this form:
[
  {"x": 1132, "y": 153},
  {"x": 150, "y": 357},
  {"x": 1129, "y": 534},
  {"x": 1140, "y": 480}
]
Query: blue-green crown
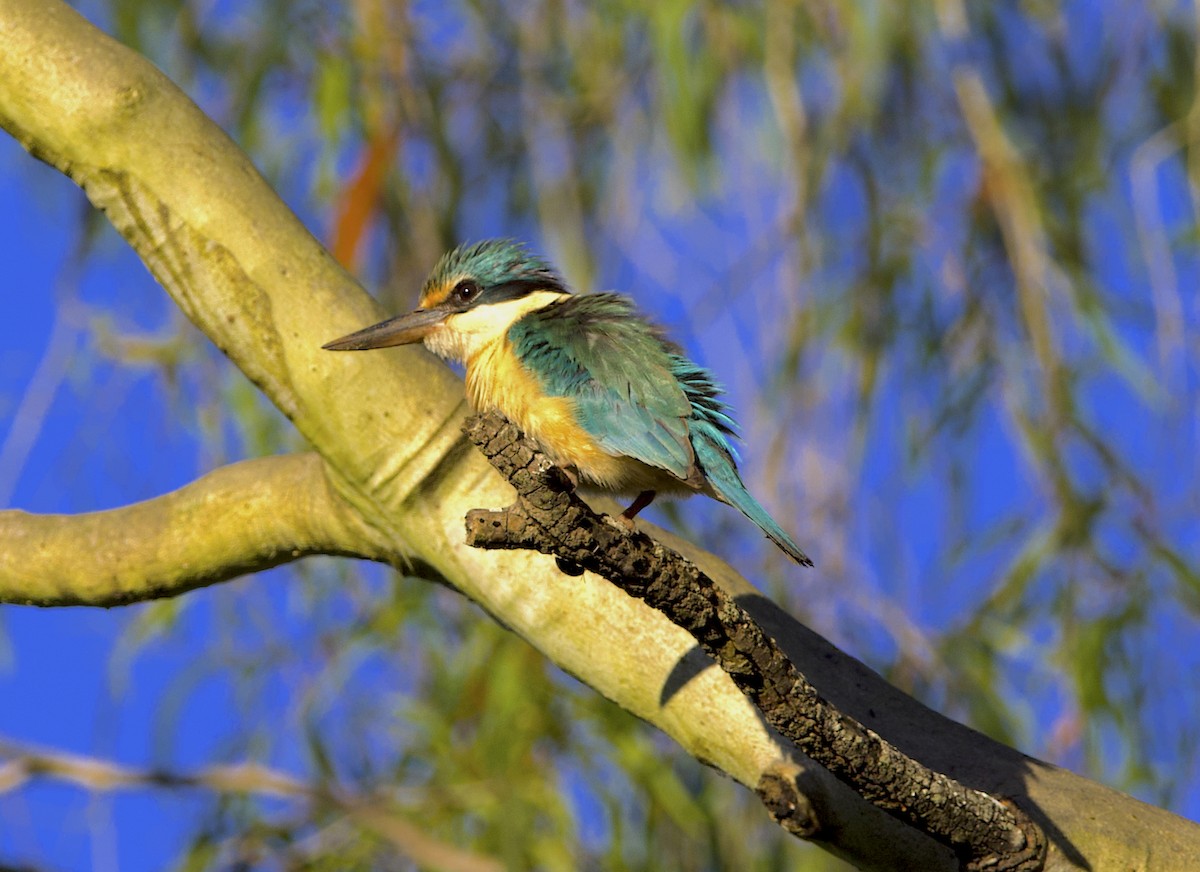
[{"x": 500, "y": 266}]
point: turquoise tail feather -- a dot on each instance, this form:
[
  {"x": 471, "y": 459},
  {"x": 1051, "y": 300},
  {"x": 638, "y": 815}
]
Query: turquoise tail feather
[{"x": 723, "y": 478}]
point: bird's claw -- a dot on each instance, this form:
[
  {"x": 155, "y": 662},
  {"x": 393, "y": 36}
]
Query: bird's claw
[
  {"x": 622, "y": 522},
  {"x": 572, "y": 475}
]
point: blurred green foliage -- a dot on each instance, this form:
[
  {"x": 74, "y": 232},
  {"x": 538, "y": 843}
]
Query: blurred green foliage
[{"x": 942, "y": 256}]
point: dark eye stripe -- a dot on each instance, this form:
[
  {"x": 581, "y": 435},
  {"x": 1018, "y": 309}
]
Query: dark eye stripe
[
  {"x": 468, "y": 293},
  {"x": 514, "y": 290}
]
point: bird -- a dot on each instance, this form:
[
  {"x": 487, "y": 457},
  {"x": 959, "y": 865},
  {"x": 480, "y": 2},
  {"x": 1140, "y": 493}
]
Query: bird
[{"x": 600, "y": 388}]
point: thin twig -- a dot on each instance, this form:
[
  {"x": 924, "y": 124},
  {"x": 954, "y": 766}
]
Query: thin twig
[{"x": 20, "y": 763}]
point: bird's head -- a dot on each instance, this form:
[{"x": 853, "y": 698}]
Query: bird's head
[{"x": 473, "y": 294}]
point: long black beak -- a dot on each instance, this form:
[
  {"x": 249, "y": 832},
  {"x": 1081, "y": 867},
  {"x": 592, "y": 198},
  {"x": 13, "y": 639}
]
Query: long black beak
[{"x": 401, "y": 330}]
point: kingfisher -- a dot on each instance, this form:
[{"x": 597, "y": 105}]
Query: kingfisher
[{"x": 599, "y": 387}]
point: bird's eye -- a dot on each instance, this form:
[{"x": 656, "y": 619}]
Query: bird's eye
[{"x": 466, "y": 291}]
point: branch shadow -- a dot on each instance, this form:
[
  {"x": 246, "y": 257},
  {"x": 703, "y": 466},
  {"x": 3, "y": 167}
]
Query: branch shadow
[{"x": 922, "y": 733}]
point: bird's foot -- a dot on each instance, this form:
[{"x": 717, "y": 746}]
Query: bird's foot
[
  {"x": 622, "y": 522},
  {"x": 642, "y": 500},
  {"x": 572, "y": 475},
  {"x": 625, "y": 519}
]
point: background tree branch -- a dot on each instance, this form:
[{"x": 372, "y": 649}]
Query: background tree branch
[{"x": 19, "y": 764}]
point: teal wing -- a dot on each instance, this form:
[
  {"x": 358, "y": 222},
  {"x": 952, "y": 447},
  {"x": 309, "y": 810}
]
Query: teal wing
[
  {"x": 711, "y": 429},
  {"x": 639, "y": 396},
  {"x": 620, "y": 372}
]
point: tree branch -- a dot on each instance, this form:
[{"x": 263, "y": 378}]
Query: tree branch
[
  {"x": 238, "y": 263},
  {"x": 240, "y": 518},
  {"x": 388, "y": 428},
  {"x": 984, "y": 832},
  {"x": 19, "y": 764}
]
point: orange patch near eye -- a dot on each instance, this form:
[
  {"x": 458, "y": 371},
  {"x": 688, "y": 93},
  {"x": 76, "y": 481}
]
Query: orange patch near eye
[{"x": 435, "y": 295}]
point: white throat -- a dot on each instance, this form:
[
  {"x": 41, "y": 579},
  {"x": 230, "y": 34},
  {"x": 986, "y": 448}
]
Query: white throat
[{"x": 461, "y": 337}]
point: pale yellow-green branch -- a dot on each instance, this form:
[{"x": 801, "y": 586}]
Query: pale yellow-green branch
[{"x": 237, "y": 519}]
